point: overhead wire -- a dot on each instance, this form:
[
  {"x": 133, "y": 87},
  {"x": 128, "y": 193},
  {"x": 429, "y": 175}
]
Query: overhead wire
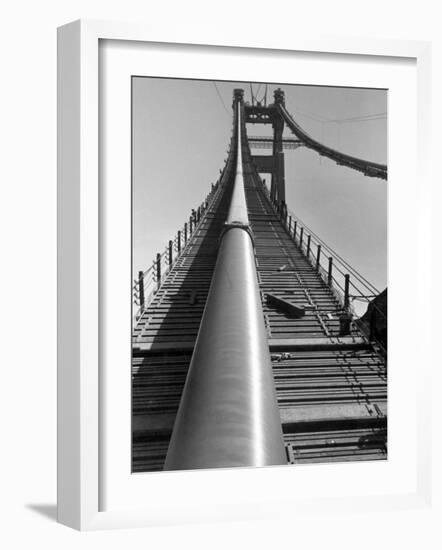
[
  {"x": 220, "y": 97},
  {"x": 360, "y": 117},
  {"x": 312, "y": 116},
  {"x": 251, "y": 93},
  {"x": 254, "y": 95},
  {"x": 322, "y": 118}
]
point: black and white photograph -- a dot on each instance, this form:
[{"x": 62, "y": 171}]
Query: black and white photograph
[
  {"x": 220, "y": 275},
  {"x": 259, "y": 263}
]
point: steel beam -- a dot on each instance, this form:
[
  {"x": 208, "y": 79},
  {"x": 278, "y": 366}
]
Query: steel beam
[
  {"x": 333, "y": 343},
  {"x": 265, "y": 164},
  {"x": 278, "y": 150}
]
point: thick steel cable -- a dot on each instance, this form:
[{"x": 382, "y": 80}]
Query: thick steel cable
[{"x": 368, "y": 168}]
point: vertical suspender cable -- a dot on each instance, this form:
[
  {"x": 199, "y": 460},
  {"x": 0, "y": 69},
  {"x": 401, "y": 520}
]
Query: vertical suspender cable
[{"x": 228, "y": 415}]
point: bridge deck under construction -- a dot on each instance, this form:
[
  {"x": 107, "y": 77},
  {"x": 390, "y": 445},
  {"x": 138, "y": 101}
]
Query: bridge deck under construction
[{"x": 331, "y": 389}]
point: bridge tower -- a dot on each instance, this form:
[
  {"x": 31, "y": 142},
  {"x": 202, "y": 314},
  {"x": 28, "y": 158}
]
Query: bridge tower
[{"x": 271, "y": 164}]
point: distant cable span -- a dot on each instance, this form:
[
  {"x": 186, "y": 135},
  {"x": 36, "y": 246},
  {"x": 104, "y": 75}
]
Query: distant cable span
[{"x": 368, "y": 168}]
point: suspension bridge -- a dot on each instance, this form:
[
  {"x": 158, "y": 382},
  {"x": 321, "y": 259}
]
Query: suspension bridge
[{"x": 246, "y": 349}]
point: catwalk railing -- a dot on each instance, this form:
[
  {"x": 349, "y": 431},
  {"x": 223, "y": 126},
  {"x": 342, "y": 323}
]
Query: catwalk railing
[
  {"x": 149, "y": 281},
  {"x": 346, "y": 283}
]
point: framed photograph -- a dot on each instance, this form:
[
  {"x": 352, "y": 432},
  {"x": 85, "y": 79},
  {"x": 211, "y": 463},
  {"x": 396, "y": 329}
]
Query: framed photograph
[{"x": 230, "y": 218}]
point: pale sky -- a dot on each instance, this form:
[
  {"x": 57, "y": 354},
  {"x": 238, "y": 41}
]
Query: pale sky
[{"x": 181, "y": 130}]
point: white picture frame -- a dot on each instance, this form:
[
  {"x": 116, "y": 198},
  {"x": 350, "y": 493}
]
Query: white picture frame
[{"x": 79, "y": 368}]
